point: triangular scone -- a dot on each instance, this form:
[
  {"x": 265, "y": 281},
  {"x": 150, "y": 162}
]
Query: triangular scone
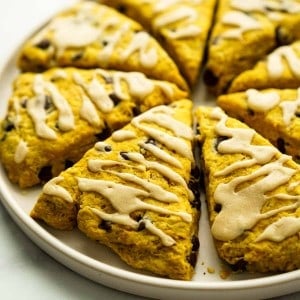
[
  {"x": 280, "y": 69},
  {"x": 253, "y": 195},
  {"x": 90, "y": 35},
  {"x": 132, "y": 192},
  {"x": 237, "y": 42},
  {"x": 273, "y": 113},
  {"x": 285, "y": 15},
  {"x": 182, "y": 28},
  {"x": 55, "y": 116}
]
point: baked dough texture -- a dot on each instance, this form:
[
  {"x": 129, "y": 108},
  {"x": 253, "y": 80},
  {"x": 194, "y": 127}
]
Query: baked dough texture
[
  {"x": 273, "y": 113},
  {"x": 131, "y": 193},
  {"x": 279, "y": 69},
  {"x": 237, "y": 42},
  {"x": 91, "y": 35},
  {"x": 55, "y": 116},
  {"x": 181, "y": 27},
  {"x": 253, "y": 195}
]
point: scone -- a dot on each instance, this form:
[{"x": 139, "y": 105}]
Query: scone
[
  {"x": 273, "y": 113},
  {"x": 253, "y": 195},
  {"x": 90, "y": 35},
  {"x": 238, "y": 40},
  {"x": 132, "y": 193},
  {"x": 285, "y": 15},
  {"x": 280, "y": 69},
  {"x": 55, "y": 116},
  {"x": 182, "y": 28}
]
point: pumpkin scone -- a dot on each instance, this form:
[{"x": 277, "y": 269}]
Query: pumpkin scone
[
  {"x": 280, "y": 69},
  {"x": 285, "y": 15},
  {"x": 253, "y": 195},
  {"x": 273, "y": 113},
  {"x": 238, "y": 40},
  {"x": 132, "y": 193},
  {"x": 55, "y": 116},
  {"x": 182, "y": 27},
  {"x": 91, "y": 35}
]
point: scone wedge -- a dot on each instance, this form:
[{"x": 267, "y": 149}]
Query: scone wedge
[
  {"x": 182, "y": 28},
  {"x": 273, "y": 113},
  {"x": 253, "y": 195},
  {"x": 131, "y": 193},
  {"x": 91, "y": 35},
  {"x": 54, "y": 117},
  {"x": 238, "y": 40},
  {"x": 279, "y": 69}
]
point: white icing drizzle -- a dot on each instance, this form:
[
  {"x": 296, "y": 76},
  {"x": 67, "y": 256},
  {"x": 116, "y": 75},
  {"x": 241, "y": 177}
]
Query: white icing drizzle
[
  {"x": 240, "y": 142},
  {"x": 185, "y": 32},
  {"x": 280, "y": 230},
  {"x": 289, "y": 6},
  {"x": 89, "y": 113},
  {"x": 275, "y": 66},
  {"x": 21, "y": 152},
  {"x": 262, "y": 102},
  {"x": 243, "y": 23},
  {"x": 173, "y": 16},
  {"x": 96, "y": 92},
  {"x": 289, "y": 109},
  {"x": 155, "y": 191},
  {"x": 241, "y": 207},
  {"x": 140, "y": 42},
  {"x": 53, "y": 189},
  {"x": 169, "y": 12},
  {"x": 101, "y": 146},
  {"x": 138, "y": 85},
  {"x": 293, "y": 186},
  {"x": 123, "y": 135},
  {"x": 161, "y": 154},
  {"x": 36, "y": 110},
  {"x": 163, "y": 170},
  {"x": 97, "y": 165},
  {"x": 128, "y": 203}
]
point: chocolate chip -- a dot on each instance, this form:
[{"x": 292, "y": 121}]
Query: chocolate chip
[
  {"x": 210, "y": 78},
  {"x": 136, "y": 110},
  {"x": 104, "y": 134},
  {"x": 104, "y": 43},
  {"x": 241, "y": 265},
  {"x": 43, "y": 44},
  {"x": 45, "y": 173},
  {"x": 48, "y": 102},
  {"x": 122, "y": 8},
  {"x": 219, "y": 140},
  {"x": 114, "y": 97},
  {"x": 105, "y": 225},
  {"x": 195, "y": 243},
  {"x": 68, "y": 163},
  {"x": 151, "y": 141},
  {"x": 297, "y": 114},
  {"x": 77, "y": 56},
  {"x": 192, "y": 258},
  {"x": 107, "y": 148},
  {"x": 217, "y": 207},
  {"x": 24, "y": 103},
  {"x": 8, "y": 125},
  {"x": 283, "y": 36},
  {"x": 250, "y": 112},
  {"x": 141, "y": 226},
  {"x": 124, "y": 155},
  {"x": 281, "y": 145}
]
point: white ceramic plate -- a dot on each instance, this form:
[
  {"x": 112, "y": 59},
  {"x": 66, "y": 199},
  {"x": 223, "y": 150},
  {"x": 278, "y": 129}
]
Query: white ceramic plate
[{"x": 99, "y": 264}]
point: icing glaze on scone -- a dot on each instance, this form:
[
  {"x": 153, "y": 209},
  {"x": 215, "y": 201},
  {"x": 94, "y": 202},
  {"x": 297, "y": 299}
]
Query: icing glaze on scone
[
  {"x": 232, "y": 220},
  {"x": 242, "y": 22},
  {"x": 275, "y": 64},
  {"x": 52, "y": 188}
]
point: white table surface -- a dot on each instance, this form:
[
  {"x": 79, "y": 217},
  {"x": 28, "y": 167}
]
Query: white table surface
[{"x": 26, "y": 272}]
